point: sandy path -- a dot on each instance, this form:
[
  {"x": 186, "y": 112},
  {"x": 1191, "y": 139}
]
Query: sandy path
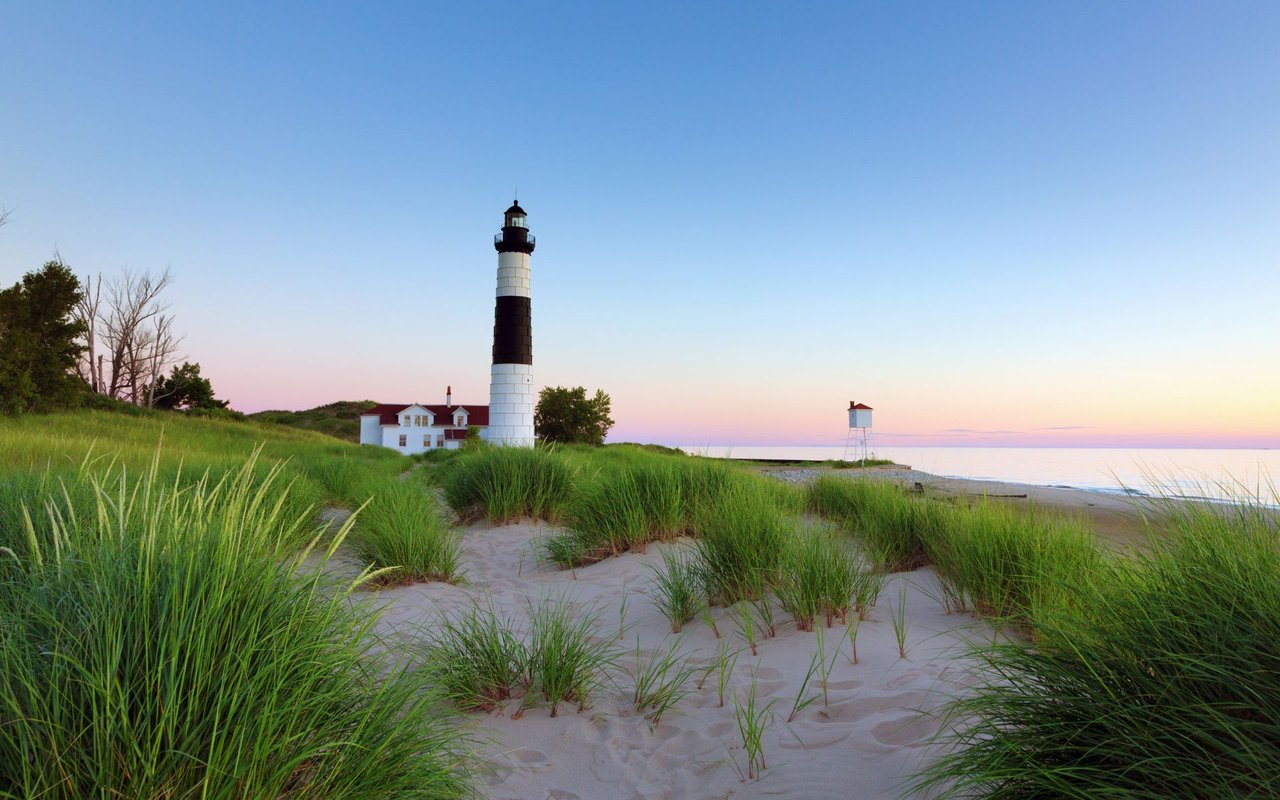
[{"x": 860, "y": 745}]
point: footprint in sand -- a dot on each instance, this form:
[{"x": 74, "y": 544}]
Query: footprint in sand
[
  {"x": 823, "y": 737},
  {"x": 908, "y": 729},
  {"x": 527, "y": 756},
  {"x": 929, "y": 671},
  {"x": 858, "y": 708},
  {"x": 841, "y": 686}
]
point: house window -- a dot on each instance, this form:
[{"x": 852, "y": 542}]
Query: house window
[
  {"x": 459, "y": 421},
  {"x": 405, "y": 421},
  {"x": 404, "y": 439},
  {"x": 440, "y": 440},
  {"x": 426, "y": 440}
]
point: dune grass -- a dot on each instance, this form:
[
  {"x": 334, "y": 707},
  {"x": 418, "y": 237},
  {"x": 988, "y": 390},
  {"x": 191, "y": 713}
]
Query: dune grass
[
  {"x": 1161, "y": 679},
  {"x": 661, "y": 681},
  {"x": 678, "y": 587},
  {"x": 820, "y": 576},
  {"x": 567, "y": 661},
  {"x": 1004, "y": 562},
  {"x": 164, "y": 641},
  {"x": 741, "y": 538},
  {"x": 401, "y": 533},
  {"x": 476, "y": 658},
  {"x": 893, "y": 526},
  {"x": 626, "y": 497},
  {"x": 504, "y": 484}
]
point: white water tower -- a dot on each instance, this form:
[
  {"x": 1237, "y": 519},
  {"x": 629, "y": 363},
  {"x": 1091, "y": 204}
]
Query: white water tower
[{"x": 859, "y": 425}]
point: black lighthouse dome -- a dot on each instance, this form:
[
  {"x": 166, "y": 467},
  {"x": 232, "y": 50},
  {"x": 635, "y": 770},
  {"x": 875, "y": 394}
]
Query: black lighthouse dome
[{"x": 515, "y": 236}]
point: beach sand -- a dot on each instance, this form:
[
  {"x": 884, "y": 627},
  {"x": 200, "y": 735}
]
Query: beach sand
[
  {"x": 868, "y": 737},
  {"x": 864, "y": 742}
]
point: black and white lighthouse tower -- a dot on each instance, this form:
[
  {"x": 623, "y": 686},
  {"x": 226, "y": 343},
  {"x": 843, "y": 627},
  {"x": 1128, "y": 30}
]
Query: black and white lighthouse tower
[{"x": 511, "y": 378}]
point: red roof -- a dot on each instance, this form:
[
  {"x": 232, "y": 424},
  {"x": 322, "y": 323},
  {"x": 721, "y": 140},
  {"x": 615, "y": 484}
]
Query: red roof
[
  {"x": 858, "y": 406},
  {"x": 389, "y": 413},
  {"x": 454, "y": 433}
]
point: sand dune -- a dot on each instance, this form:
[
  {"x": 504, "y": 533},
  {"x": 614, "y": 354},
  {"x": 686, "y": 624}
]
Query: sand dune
[{"x": 861, "y": 744}]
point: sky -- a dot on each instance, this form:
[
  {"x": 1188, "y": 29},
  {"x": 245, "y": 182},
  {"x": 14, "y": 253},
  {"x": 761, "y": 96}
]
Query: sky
[{"x": 995, "y": 223}]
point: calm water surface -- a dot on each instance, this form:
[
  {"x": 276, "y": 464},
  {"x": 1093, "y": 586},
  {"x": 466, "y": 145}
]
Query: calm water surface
[{"x": 1191, "y": 473}]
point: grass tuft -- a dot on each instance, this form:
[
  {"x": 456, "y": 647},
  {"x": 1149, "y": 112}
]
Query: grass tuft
[
  {"x": 678, "y": 587},
  {"x": 164, "y": 640}
]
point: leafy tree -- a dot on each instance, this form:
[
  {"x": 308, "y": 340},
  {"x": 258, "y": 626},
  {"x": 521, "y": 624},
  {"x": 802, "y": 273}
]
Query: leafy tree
[
  {"x": 38, "y": 341},
  {"x": 185, "y": 390},
  {"x": 567, "y": 415},
  {"x": 474, "y": 440}
]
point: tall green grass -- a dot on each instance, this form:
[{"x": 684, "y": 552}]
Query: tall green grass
[
  {"x": 893, "y": 526},
  {"x": 1162, "y": 679},
  {"x": 164, "y": 641},
  {"x": 820, "y": 576},
  {"x": 624, "y": 498},
  {"x": 401, "y": 533},
  {"x": 567, "y": 661},
  {"x": 1005, "y": 562},
  {"x": 505, "y": 484},
  {"x": 678, "y": 587},
  {"x": 741, "y": 538},
  {"x": 476, "y": 658}
]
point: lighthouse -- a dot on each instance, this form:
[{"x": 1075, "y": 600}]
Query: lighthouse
[{"x": 511, "y": 377}]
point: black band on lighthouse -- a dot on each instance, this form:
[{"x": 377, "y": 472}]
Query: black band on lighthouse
[{"x": 513, "y": 331}]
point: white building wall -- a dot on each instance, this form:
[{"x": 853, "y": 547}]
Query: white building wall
[
  {"x": 413, "y": 438},
  {"x": 370, "y": 429},
  {"x": 860, "y": 418}
]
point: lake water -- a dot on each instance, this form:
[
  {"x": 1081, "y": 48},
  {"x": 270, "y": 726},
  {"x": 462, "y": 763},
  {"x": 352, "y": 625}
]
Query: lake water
[{"x": 1187, "y": 472}]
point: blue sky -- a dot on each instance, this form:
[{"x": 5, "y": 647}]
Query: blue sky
[{"x": 1058, "y": 222}]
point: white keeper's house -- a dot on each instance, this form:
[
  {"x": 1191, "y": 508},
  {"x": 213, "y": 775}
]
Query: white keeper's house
[{"x": 417, "y": 427}]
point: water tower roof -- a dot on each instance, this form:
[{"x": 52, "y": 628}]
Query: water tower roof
[{"x": 858, "y": 406}]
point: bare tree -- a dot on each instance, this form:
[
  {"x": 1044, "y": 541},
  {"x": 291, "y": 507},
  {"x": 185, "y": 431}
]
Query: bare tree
[
  {"x": 89, "y": 365},
  {"x": 131, "y": 338}
]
